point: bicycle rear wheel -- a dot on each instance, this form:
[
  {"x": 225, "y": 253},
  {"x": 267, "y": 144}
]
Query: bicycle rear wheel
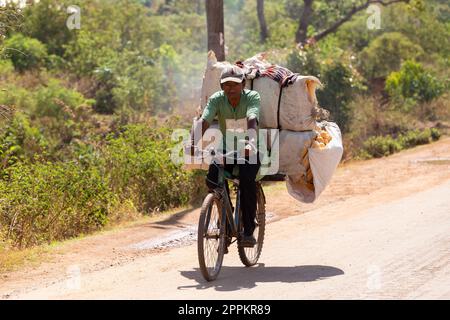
[
  {"x": 250, "y": 256},
  {"x": 211, "y": 237}
]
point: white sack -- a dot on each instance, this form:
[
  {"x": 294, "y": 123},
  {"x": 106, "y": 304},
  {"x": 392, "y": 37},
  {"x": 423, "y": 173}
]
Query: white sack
[
  {"x": 323, "y": 164},
  {"x": 292, "y": 145}
]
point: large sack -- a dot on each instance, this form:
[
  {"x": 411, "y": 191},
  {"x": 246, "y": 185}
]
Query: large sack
[
  {"x": 323, "y": 162},
  {"x": 269, "y": 91},
  {"x": 292, "y": 147},
  {"x": 211, "y": 78},
  {"x": 298, "y": 105}
]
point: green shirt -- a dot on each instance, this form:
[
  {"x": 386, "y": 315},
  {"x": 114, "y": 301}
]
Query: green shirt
[
  {"x": 236, "y": 117},
  {"x": 218, "y": 105}
]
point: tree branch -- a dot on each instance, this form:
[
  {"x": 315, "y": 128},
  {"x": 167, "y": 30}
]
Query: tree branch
[{"x": 349, "y": 15}]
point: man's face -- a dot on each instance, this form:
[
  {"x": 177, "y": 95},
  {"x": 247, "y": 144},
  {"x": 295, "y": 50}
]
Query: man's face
[{"x": 232, "y": 89}]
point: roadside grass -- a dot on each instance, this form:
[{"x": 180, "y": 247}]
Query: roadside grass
[{"x": 13, "y": 259}]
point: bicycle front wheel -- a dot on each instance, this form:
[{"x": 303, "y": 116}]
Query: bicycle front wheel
[
  {"x": 211, "y": 237},
  {"x": 250, "y": 256}
]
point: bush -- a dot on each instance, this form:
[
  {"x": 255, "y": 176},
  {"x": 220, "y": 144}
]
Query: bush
[
  {"x": 437, "y": 109},
  {"x": 140, "y": 169},
  {"x": 104, "y": 98},
  {"x": 413, "y": 81},
  {"x": 369, "y": 118},
  {"x": 147, "y": 83},
  {"x": 45, "y": 20},
  {"x": 45, "y": 202},
  {"x": 26, "y": 53},
  {"x": 6, "y": 68},
  {"x": 381, "y": 146},
  {"x": 19, "y": 97},
  {"x": 50, "y": 100},
  {"x": 20, "y": 141},
  {"x": 435, "y": 134},
  {"x": 58, "y": 113},
  {"x": 386, "y": 53},
  {"x": 414, "y": 138}
]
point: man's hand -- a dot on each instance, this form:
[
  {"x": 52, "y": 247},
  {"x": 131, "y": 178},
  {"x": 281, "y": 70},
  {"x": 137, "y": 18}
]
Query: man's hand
[
  {"x": 250, "y": 148},
  {"x": 248, "y": 151}
]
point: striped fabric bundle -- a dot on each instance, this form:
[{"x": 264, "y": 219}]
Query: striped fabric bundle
[
  {"x": 277, "y": 73},
  {"x": 280, "y": 74}
]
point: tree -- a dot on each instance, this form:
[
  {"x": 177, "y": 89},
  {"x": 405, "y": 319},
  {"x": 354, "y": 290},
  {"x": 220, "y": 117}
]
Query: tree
[
  {"x": 25, "y": 53},
  {"x": 264, "y": 33},
  {"x": 385, "y": 54},
  {"x": 46, "y": 21},
  {"x": 305, "y": 19},
  {"x": 215, "y": 26},
  {"x": 10, "y": 20}
]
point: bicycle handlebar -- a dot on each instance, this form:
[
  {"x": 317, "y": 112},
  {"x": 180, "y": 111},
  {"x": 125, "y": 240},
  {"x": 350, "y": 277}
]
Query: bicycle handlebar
[{"x": 229, "y": 155}]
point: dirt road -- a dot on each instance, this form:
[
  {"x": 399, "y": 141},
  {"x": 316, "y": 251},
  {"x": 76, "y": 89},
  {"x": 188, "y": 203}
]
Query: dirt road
[{"x": 381, "y": 230}]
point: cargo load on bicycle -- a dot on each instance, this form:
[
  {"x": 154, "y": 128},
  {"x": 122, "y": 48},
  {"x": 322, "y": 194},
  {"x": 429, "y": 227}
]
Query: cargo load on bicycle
[{"x": 307, "y": 147}]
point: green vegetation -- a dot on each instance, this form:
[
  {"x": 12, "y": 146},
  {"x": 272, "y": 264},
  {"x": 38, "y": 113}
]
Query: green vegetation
[
  {"x": 386, "y": 53},
  {"x": 412, "y": 81},
  {"x": 87, "y": 114},
  {"x": 26, "y": 53},
  {"x": 43, "y": 202},
  {"x": 380, "y": 146}
]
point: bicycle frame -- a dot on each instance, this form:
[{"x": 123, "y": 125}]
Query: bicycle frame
[
  {"x": 222, "y": 193},
  {"x": 227, "y": 213},
  {"x": 227, "y": 225}
]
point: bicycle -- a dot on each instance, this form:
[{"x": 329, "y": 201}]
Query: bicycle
[{"x": 218, "y": 224}]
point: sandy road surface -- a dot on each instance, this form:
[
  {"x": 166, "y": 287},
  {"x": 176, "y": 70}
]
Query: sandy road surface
[{"x": 381, "y": 230}]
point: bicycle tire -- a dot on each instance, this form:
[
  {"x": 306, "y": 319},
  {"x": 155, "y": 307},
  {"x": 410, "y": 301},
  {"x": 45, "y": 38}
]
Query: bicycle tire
[
  {"x": 249, "y": 256},
  {"x": 210, "y": 258}
]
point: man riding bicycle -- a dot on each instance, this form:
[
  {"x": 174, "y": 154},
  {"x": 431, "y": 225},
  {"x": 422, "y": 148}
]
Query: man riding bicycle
[{"x": 238, "y": 109}]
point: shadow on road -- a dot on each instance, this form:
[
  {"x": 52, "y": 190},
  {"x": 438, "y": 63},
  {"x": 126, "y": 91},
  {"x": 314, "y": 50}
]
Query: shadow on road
[
  {"x": 236, "y": 278},
  {"x": 175, "y": 217}
]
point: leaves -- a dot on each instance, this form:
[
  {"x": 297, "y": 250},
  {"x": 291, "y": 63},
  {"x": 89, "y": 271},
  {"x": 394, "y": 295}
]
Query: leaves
[{"x": 413, "y": 81}]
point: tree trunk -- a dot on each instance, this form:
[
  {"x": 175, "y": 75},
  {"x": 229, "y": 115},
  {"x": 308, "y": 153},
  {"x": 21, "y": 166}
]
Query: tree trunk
[
  {"x": 264, "y": 33},
  {"x": 300, "y": 36},
  {"x": 215, "y": 25}
]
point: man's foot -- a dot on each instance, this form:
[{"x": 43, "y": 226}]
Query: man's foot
[{"x": 248, "y": 241}]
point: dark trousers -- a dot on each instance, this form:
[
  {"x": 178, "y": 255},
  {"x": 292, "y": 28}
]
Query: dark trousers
[{"x": 247, "y": 183}]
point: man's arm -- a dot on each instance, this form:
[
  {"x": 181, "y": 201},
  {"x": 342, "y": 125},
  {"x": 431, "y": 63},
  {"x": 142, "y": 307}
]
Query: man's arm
[
  {"x": 253, "y": 112},
  {"x": 196, "y": 138},
  {"x": 252, "y": 118},
  {"x": 252, "y": 124}
]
